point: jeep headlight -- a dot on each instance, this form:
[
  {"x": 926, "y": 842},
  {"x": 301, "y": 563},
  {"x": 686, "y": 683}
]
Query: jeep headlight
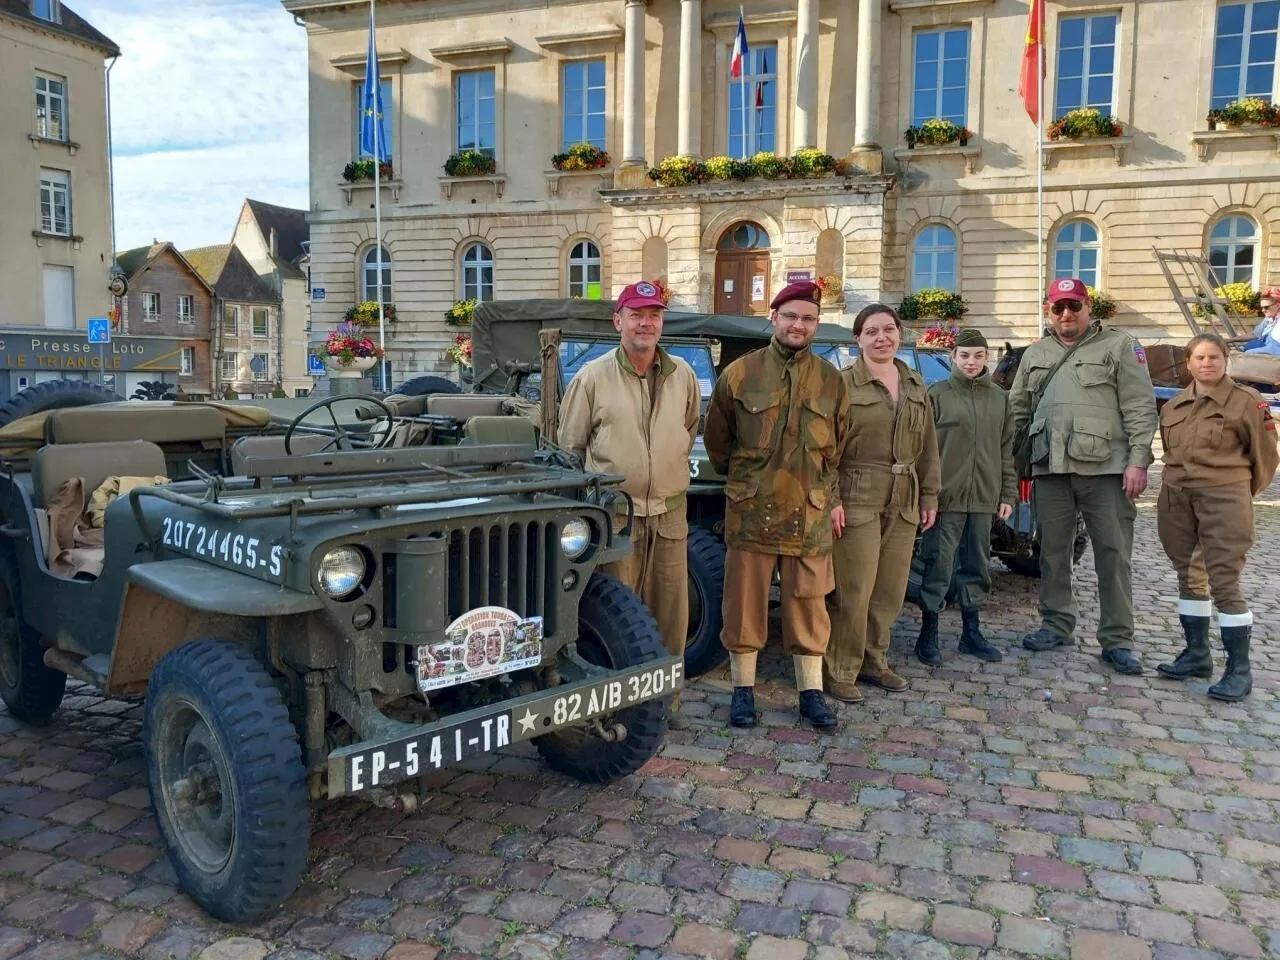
[
  {"x": 575, "y": 537},
  {"x": 341, "y": 571}
]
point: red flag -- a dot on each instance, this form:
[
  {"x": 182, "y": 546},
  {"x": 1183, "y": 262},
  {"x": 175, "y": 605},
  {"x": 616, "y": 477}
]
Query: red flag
[{"x": 1029, "y": 85}]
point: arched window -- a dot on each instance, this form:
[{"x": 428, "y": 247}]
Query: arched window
[
  {"x": 477, "y": 273},
  {"x": 1075, "y": 252},
  {"x": 584, "y": 268},
  {"x": 745, "y": 236},
  {"x": 933, "y": 259},
  {"x": 1233, "y": 250},
  {"x": 369, "y": 276}
]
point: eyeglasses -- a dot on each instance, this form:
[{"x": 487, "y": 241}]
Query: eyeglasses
[
  {"x": 1075, "y": 306},
  {"x": 790, "y": 317}
]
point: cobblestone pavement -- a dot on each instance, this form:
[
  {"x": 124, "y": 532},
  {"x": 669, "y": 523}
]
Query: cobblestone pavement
[{"x": 975, "y": 816}]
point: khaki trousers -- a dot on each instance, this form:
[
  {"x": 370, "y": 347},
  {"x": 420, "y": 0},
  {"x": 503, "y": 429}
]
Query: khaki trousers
[
  {"x": 805, "y": 583},
  {"x": 657, "y": 569},
  {"x": 1218, "y": 520},
  {"x": 872, "y": 563},
  {"x": 959, "y": 544}
]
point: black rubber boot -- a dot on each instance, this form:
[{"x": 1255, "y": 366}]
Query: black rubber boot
[
  {"x": 973, "y": 642},
  {"x": 927, "y": 643},
  {"x": 742, "y": 708},
  {"x": 814, "y": 708},
  {"x": 1237, "y": 679},
  {"x": 1196, "y": 659}
]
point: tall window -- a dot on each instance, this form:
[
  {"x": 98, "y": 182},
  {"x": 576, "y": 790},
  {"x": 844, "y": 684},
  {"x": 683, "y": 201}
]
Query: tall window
[
  {"x": 369, "y": 276},
  {"x": 184, "y": 309},
  {"x": 187, "y": 364},
  {"x": 45, "y": 10},
  {"x": 1075, "y": 252},
  {"x": 584, "y": 269},
  {"x": 260, "y": 364},
  {"x": 753, "y": 103},
  {"x": 941, "y": 76},
  {"x": 229, "y": 365},
  {"x": 584, "y": 103},
  {"x": 261, "y": 322},
  {"x": 1086, "y": 63},
  {"x": 1233, "y": 250},
  {"x": 151, "y": 307},
  {"x": 388, "y": 118},
  {"x": 231, "y": 319},
  {"x": 477, "y": 273},
  {"x": 933, "y": 259},
  {"x": 1244, "y": 52},
  {"x": 55, "y": 202},
  {"x": 51, "y": 107},
  {"x": 474, "y": 108}
]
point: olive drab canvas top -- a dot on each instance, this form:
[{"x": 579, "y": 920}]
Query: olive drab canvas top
[
  {"x": 1098, "y": 413},
  {"x": 891, "y": 460},
  {"x": 975, "y": 443},
  {"x": 640, "y": 427},
  {"x": 775, "y": 428},
  {"x": 1223, "y": 434}
]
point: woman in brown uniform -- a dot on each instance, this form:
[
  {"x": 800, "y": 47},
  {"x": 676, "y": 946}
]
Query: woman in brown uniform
[
  {"x": 1219, "y": 453},
  {"x": 889, "y": 480}
]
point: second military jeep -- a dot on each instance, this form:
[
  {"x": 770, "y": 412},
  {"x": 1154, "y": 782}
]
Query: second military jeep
[{"x": 318, "y": 613}]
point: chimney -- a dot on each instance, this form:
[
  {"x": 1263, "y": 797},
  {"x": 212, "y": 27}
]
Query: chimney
[{"x": 271, "y": 241}]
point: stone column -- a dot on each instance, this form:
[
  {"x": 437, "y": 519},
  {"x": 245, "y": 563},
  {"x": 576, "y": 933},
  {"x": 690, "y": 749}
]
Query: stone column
[
  {"x": 806, "y": 125},
  {"x": 689, "y": 133},
  {"x": 867, "y": 87},
  {"x": 633, "y": 85}
]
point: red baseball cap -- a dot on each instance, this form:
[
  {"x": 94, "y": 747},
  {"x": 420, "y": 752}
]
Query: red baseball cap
[
  {"x": 1068, "y": 288},
  {"x": 640, "y": 294}
]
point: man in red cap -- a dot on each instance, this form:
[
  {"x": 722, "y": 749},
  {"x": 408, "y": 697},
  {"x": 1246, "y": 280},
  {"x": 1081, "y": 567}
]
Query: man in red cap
[
  {"x": 1083, "y": 400},
  {"x": 776, "y": 429},
  {"x": 635, "y": 412}
]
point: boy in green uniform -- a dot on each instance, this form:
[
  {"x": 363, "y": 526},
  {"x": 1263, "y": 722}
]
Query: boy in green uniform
[{"x": 975, "y": 446}]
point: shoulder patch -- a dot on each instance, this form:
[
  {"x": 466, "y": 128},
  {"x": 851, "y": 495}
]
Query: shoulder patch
[
  {"x": 1266, "y": 410},
  {"x": 1140, "y": 353}
]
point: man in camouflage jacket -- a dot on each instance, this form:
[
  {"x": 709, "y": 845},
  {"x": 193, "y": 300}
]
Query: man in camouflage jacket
[{"x": 776, "y": 427}]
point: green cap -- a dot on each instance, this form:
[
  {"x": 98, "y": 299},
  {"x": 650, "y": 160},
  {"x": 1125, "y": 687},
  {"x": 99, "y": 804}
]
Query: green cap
[{"x": 969, "y": 337}]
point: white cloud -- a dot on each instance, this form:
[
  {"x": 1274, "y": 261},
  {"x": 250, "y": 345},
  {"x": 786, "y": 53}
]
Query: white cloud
[{"x": 209, "y": 106}]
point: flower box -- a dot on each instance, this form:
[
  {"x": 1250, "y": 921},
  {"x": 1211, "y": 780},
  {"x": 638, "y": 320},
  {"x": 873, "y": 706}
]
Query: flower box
[
  {"x": 937, "y": 133},
  {"x": 361, "y": 170},
  {"x": 581, "y": 156},
  {"x": 1084, "y": 124},
  {"x": 470, "y": 163}
]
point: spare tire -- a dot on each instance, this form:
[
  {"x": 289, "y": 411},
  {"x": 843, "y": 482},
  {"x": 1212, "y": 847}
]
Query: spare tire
[
  {"x": 54, "y": 395},
  {"x": 421, "y": 386}
]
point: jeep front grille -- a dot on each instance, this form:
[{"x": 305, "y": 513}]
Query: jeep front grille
[{"x": 509, "y": 565}]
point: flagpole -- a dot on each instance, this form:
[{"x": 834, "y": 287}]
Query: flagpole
[
  {"x": 742, "y": 87},
  {"x": 384, "y": 364},
  {"x": 1040, "y": 251}
]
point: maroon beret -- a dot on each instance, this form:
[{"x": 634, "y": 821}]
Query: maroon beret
[{"x": 805, "y": 290}]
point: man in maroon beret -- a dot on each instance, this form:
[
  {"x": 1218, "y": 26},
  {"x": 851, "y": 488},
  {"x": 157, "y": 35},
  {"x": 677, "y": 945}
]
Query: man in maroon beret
[{"x": 776, "y": 429}]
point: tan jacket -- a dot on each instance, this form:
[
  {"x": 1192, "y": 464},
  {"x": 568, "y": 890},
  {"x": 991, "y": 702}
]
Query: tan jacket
[
  {"x": 639, "y": 427},
  {"x": 1222, "y": 435}
]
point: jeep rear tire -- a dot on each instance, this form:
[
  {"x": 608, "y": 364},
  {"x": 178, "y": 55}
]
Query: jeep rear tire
[
  {"x": 227, "y": 782},
  {"x": 31, "y": 690},
  {"x": 54, "y": 395},
  {"x": 703, "y": 650},
  {"x": 421, "y": 386},
  {"x": 615, "y": 630},
  {"x": 1030, "y": 566}
]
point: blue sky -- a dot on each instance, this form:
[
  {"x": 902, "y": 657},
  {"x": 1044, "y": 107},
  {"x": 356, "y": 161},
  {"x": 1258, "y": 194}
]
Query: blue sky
[{"x": 209, "y": 106}]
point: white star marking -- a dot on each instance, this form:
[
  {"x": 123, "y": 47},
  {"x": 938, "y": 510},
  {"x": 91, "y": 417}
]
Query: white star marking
[{"x": 526, "y": 722}]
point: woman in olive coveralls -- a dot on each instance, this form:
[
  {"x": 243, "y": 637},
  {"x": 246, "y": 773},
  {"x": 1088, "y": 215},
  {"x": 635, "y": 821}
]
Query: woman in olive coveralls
[{"x": 889, "y": 480}]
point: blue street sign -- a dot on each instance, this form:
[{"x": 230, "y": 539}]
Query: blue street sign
[
  {"x": 99, "y": 329},
  {"x": 315, "y": 365},
  {"x": 318, "y": 293}
]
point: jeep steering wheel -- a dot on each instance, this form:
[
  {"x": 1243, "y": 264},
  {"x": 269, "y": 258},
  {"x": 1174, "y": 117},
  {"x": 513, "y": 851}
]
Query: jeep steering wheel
[{"x": 342, "y": 440}]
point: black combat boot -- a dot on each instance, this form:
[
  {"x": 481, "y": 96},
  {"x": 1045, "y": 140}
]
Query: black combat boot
[
  {"x": 814, "y": 708},
  {"x": 927, "y": 643},
  {"x": 742, "y": 708},
  {"x": 973, "y": 642},
  {"x": 1196, "y": 660},
  {"x": 1237, "y": 680}
]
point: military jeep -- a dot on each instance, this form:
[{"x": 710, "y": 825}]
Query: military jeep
[{"x": 318, "y": 611}]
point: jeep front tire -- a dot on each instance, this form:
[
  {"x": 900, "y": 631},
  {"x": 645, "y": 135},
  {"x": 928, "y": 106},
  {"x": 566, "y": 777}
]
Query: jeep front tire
[
  {"x": 31, "y": 690},
  {"x": 227, "y": 782},
  {"x": 703, "y": 649}
]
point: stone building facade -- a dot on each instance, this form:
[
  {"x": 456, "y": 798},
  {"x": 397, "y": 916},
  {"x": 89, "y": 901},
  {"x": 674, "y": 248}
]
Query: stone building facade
[{"x": 649, "y": 79}]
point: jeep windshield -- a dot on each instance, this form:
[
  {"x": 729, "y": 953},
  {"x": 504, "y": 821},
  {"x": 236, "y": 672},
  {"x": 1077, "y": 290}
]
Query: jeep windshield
[{"x": 574, "y": 354}]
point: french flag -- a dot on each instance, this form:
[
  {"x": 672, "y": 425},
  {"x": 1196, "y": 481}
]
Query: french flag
[{"x": 739, "y": 61}]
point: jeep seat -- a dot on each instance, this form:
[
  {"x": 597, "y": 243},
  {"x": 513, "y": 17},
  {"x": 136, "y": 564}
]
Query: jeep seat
[
  {"x": 465, "y": 406},
  {"x": 262, "y": 447},
  {"x": 500, "y": 430},
  {"x": 54, "y": 465},
  {"x": 136, "y": 421}
]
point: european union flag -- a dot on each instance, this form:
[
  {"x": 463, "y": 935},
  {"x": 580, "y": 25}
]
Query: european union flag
[{"x": 373, "y": 129}]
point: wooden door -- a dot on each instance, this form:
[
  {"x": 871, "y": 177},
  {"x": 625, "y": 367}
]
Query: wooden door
[
  {"x": 728, "y": 288},
  {"x": 755, "y": 282},
  {"x": 742, "y": 283}
]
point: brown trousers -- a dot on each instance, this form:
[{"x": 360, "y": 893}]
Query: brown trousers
[
  {"x": 1217, "y": 520},
  {"x": 658, "y": 570},
  {"x": 806, "y": 581},
  {"x": 872, "y": 562}
]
